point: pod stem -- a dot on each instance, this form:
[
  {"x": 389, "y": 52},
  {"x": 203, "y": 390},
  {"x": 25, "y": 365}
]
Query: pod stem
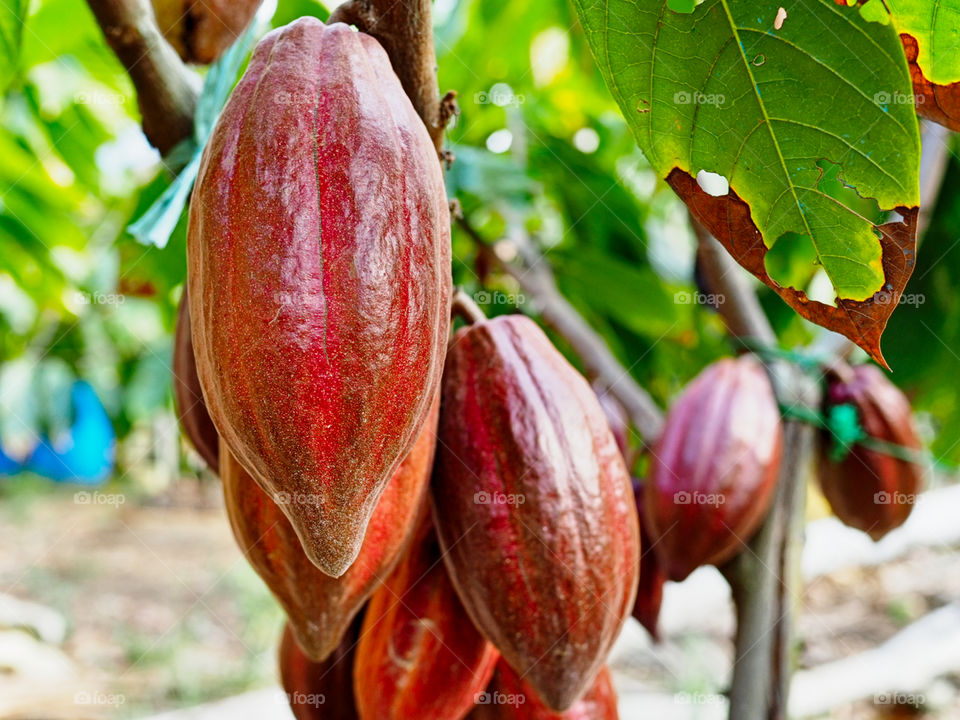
[{"x": 463, "y": 306}]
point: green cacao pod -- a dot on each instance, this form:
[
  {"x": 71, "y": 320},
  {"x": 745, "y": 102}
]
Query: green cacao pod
[
  {"x": 187, "y": 395},
  {"x": 419, "y": 654},
  {"x": 533, "y": 506},
  {"x": 714, "y": 468},
  {"x": 510, "y": 698},
  {"x": 320, "y": 607},
  {"x": 319, "y": 273},
  {"x": 869, "y": 489},
  {"x": 320, "y": 690}
]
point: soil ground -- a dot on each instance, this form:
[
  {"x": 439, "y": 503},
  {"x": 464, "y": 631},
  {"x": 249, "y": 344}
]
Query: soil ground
[{"x": 163, "y": 612}]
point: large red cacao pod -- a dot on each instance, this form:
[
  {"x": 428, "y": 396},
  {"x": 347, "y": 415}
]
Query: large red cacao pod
[
  {"x": 646, "y": 608},
  {"x": 510, "y": 698},
  {"x": 714, "y": 468},
  {"x": 533, "y": 506},
  {"x": 419, "y": 654},
  {"x": 187, "y": 395},
  {"x": 871, "y": 490},
  {"x": 320, "y": 607},
  {"x": 319, "y": 273},
  {"x": 200, "y": 30},
  {"x": 616, "y": 418},
  {"x": 320, "y": 690}
]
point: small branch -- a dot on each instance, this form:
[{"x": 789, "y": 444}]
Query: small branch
[
  {"x": 405, "y": 29},
  {"x": 600, "y": 364},
  {"x": 737, "y": 302},
  {"x": 463, "y": 306},
  {"x": 166, "y": 89}
]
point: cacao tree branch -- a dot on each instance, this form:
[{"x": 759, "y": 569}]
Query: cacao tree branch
[
  {"x": 736, "y": 301},
  {"x": 599, "y": 362},
  {"x": 405, "y": 29},
  {"x": 166, "y": 88}
]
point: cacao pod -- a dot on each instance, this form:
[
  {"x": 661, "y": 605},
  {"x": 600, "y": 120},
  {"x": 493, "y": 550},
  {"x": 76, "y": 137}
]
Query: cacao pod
[
  {"x": 533, "y": 506},
  {"x": 200, "y": 30},
  {"x": 319, "y": 272},
  {"x": 714, "y": 468},
  {"x": 510, "y": 698},
  {"x": 419, "y": 654},
  {"x": 319, "y": 606},
  {"x": 616, "y": 419},
  {"x": 646, "y": 608},
  {"x": 320, "y": 690},
  {"x": 869, "y": 489},
  {"x": 188, "y": 398}
]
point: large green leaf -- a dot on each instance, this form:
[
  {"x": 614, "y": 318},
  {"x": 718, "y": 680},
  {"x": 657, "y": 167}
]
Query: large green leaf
[{"x": 722, "y": 90}]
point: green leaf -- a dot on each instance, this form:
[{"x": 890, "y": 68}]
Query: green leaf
[
  {"x": 721, "y": 90},
  {"x": 936, "y": 28},
  {"x": 930, "y": 32},
  {"x": 13, "y": 15},
  {"x": 633, "y": 296}
]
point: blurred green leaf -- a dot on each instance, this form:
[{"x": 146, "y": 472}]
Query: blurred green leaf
[{"x": 12, "y": 18}]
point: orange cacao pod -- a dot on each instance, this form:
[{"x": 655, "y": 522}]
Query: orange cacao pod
[
  {"x": 533, "y": 506},
  {"x": 200, "y": 30},
  {"x": 869, "y": 489},
  {"x": 319, "y": 690},
  {"x": 187, "y": 396},
  {"x": 319, "y": 272},
  {"x": 419, "y": 654},
  {"x": 714, "y": 468},
  {"x": 320, "y": 607},
  {"x": 510, "y": 698}
]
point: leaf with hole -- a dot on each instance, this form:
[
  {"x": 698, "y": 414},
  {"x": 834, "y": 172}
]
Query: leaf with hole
[{"x": 742, "y": 118}]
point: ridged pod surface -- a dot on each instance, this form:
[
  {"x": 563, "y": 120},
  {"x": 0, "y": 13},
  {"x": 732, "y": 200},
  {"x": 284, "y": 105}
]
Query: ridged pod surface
[
  {"x": 616, "y": 418},
  {"x": 533, "y": 506},
  {"x": 510, "y": 698},
  {"x": 187, "y": 395},
  {"x": 871, "y": 490},
  {"x": 419, "y": 654},
  {"x": 714, "y": 468},
  {"x": 319, "y": 274},
  {"x": 646, "y": 608},
  {"x": 320, "y": 607},
  {"x": 320, "y": 690}
]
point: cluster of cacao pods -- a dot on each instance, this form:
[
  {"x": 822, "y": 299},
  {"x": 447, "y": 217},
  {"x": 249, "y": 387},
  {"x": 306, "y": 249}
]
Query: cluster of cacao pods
[
  {"x": 449, "y": 525},
  {"x": 450, "y": 531},
  {"x": 869, "y": 481}
]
